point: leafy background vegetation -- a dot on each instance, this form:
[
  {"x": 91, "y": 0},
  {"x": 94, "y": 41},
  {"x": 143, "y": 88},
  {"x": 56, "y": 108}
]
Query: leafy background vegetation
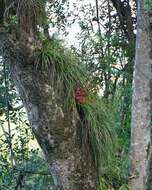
[{"x": 100, "y": 59}]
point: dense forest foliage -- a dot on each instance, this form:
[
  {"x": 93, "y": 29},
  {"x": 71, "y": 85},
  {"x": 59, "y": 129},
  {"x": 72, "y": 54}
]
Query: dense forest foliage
[{"x": 87, "y": 48}]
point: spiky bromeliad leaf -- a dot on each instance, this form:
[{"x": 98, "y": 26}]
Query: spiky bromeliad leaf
[{"x": 50, "y": 53}]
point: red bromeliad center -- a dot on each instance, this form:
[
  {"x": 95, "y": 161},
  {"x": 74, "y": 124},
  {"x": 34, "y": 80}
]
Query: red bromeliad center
[{"x": 80, "y": 95}]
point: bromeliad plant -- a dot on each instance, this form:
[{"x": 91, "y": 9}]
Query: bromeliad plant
[
  {"x": 67, "y": 71},
  {"x": 101, "y": 128}
]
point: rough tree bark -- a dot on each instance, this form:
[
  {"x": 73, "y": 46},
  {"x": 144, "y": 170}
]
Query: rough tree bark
[
  {"x": 57, "y": 130},
  {"x": 141, "y": 149}
]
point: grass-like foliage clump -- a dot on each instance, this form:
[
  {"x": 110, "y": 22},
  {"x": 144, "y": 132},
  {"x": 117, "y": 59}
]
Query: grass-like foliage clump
[
  {"x": 66, "y": 71},
  {"x": 102, "y": 136}
]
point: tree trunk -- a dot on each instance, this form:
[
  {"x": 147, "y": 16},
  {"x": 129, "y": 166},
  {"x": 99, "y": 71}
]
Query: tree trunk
[
  {"x": 141, "y": 105},
  {"x": 57, "y": 130}
]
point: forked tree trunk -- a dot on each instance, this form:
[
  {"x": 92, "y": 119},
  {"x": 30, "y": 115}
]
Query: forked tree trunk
[
  {"x": 57, "y": 131},
  {"x": 141, "y": 148}
]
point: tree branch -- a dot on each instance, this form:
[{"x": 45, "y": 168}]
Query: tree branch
[{"x": 125, "y": 17}]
